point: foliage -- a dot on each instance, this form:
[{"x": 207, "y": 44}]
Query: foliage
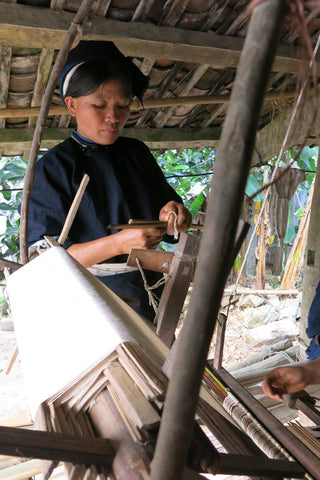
[
  {"x": 306, "y": 161},
  {"x": 189, "y": 172},
  {"x": 12, "y": 172},
  {"x": 254, "y": 183}
]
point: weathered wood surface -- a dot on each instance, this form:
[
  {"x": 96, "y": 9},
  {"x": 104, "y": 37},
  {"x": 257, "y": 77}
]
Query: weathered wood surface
[
  {"x": 133, "y": 401},
  {"x": 39, "y": 27},
  {"x": 131, "y": 459},
  {"x": 181, "y": 272},
  {"x": 33, "y": 111},
  {"x": 151, "y": 259},
  {"x": 54, "y": 446}
]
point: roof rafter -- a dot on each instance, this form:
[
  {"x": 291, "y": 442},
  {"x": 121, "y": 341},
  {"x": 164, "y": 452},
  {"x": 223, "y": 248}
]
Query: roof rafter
[{"x": 41, "y": 27}]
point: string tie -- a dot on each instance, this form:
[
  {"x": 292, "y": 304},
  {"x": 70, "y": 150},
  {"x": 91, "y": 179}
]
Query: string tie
[
  {"x": 153, "y": 299},
  {"x": 176, "y": 233}
]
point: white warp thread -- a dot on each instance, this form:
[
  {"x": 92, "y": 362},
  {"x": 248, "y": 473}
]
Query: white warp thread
[
  {"x": 254, "y": 429},
  {"x": 176, "y": 233}
]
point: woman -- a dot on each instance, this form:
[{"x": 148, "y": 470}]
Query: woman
[{"x": 97, "y": 85}]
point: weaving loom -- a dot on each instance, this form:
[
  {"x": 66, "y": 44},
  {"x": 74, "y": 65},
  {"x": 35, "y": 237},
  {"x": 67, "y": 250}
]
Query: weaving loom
[
  {"x": 92, "y": 367},
  {"x": 96, "y": 394}
]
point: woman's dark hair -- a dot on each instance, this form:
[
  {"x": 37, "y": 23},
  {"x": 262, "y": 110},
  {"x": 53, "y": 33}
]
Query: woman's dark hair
[{"x": 90, "y": 75}]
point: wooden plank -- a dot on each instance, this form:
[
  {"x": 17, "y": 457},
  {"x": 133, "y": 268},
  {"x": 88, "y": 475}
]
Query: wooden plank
[
  {"x": 253, "y": 466},
  {"x": 9, "y": 264},
  {"x": 174, "y": 293},
  {"x": 44, "y": 69},
  {"x": 5, "y": 60},
  {"x": 44, "y": 27},
  {"x": 54, "y": 446},
  {"x": 147, "y": 364},
  {"x": 161, "y": 102},
  {"x": 137, "y": 407},
  {"x": 21, "y": 420},
  {"x": 15, "y": 141},
  {"x": 151, "y": 259},
  {"x": 42, "y": 422}
]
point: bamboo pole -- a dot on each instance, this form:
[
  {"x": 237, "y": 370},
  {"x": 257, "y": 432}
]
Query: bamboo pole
[
  {"x": 73, "y": 209},
  {"x": 70, "y": 36},
  {"x": 232, "y": 168}
]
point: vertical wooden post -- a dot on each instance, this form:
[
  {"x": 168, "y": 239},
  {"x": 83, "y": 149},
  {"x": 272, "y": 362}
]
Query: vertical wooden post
[
  {"x": 180, "y": 275},
  {"x": 231, "y": 172}
]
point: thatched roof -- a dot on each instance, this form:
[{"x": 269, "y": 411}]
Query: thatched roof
[{"x": 189, "y": 48}]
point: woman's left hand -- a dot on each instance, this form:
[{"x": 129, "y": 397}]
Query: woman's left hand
[{"x": 184, "y": 217}]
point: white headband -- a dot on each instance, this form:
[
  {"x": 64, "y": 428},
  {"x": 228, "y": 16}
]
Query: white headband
[{"x": 68, "y": 78}]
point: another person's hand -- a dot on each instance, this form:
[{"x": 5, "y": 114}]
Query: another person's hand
[
  {"x": 283, "y": 380},
  {"x": 184, "y": 217},
  {"x": 148, "y": 238}
]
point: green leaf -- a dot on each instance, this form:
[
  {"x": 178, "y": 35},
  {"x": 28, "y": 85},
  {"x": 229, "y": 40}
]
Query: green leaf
[
  {"x": 253, "y": 186},
  {"x": 7, "y": 207},
  {"x": 290, "y": 234},
  {"x": 196, "y": 204}
]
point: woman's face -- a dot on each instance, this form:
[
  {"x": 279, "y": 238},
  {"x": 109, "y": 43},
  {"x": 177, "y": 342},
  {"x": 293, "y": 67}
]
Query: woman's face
[{"x": 101, "y": 115}]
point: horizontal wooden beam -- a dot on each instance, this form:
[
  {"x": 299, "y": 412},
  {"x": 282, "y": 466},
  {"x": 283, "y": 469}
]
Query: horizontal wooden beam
[
  {"x": 17, "y": 141},
  {"x": 19, "y": 442},
  {"x": 37, "y": 27},
  {"x": 148, "y": 103}
]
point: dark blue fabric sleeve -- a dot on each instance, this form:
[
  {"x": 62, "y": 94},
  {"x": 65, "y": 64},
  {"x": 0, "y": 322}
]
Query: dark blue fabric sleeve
[{"x": 314, "y": 315}]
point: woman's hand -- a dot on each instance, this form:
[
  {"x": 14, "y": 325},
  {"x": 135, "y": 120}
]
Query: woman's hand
[
  {"x": 293, "y": 379},
  {"x": 120, "y": 243},
  {"x": 148, "y": 238},
  {"x": 283, "y": 380},
  {"x": 184, "y": 217}
]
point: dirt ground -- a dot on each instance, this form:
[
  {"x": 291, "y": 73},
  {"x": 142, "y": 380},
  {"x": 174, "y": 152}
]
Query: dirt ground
[{"x": 12, "y": 397}]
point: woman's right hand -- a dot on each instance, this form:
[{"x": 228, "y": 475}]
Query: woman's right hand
[
  {"x": 119, "y": 243},
  {"x": 148, "y": 238}
]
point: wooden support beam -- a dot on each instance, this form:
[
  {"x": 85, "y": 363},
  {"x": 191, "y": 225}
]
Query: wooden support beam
[
  {"x": 57, "y": 110},
  {"x": 181, "y": 272},
  {"x": 37, "y": 27},
  {"x": 16, "y": 140},
  {"x": 19, "y": 442},
  {"x": 12, "y": 266},
  {"x": 233, "y": 162},
  {"x": 258, "y": 466}
]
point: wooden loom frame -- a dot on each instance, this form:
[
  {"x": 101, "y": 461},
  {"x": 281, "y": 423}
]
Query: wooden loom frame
[{"x": 173, "y": 444}]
